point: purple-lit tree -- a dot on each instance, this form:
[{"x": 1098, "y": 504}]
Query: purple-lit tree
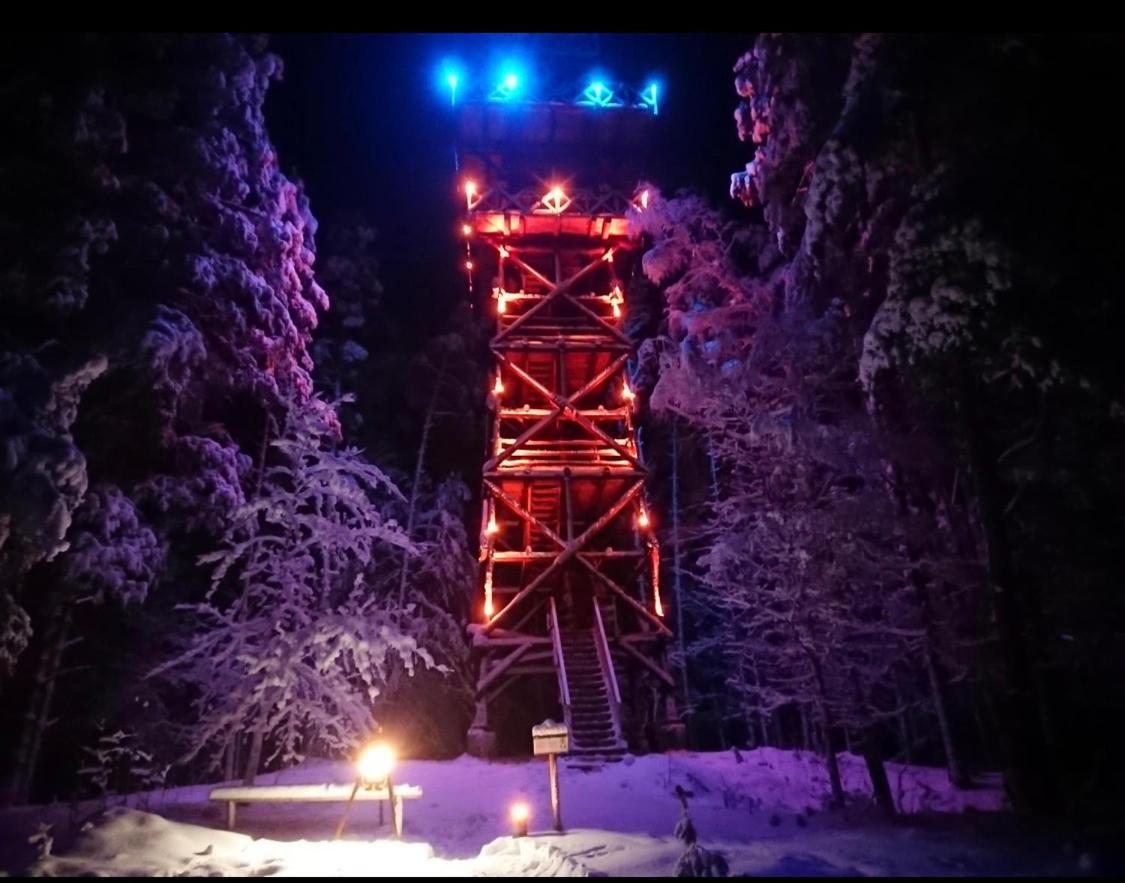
[{"x": 293, "y": 644}]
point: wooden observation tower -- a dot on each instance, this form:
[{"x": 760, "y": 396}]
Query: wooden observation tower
[{"x": 569, "y": 561}]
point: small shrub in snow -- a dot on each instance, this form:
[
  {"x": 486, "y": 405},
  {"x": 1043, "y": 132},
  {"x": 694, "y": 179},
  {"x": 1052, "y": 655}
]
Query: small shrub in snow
[{"x": 696, "y": 861}]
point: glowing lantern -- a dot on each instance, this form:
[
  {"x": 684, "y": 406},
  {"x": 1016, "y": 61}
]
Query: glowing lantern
[
  {"x": 654, "y": 555},
  {"x": 520, "y": 814},
  {"x": 616, "y": 298},
  {"x": 488, "y": 609},
  {"x": 556, "y": 200},
  {"x": 375, "y": 764}
]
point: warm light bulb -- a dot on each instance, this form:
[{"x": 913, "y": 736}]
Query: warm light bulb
[
  {"x": 520, "y": 813},
  {"x": 492, "y": 528},
  {"x": 468, "y": 265},
  {"x": 498, "y": 387},
  {"x": 627, "y": 393},
  {"x": 555, "y": 200},
  {"x": 501, "y": 302},
  {"x": 470, "y": 188},
  {"x": 488, "y": 611},
  {"x": 642, "y": 519},
  {"x": 376, "y": 763},
  {"x": 466, "y": 230}
]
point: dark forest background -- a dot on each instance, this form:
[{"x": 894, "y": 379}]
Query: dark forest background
[{"x": 882, "y": 398}]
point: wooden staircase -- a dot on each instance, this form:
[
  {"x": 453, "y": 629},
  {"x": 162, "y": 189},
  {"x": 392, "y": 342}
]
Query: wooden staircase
[{"x": 594, "y": 712}]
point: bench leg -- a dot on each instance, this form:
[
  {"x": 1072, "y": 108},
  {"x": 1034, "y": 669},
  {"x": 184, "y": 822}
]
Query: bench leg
[
  {"x": 230, "y": 815},
  {"x": 396, "y": 817}
]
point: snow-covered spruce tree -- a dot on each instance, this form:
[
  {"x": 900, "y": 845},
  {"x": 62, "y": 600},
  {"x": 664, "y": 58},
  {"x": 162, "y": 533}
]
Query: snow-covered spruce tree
[
  {"x": 696, "y": 860},
  {"x": 805, "y": 565},
  {"x": 113, "y": 557},
  {"x": 347, "y": 269},
  {"x": 42, "y": 480},
  {"x": 292, "y": 647},
  {"x": 150, "y": 235},
  {"x": 431, "y": 709},
  {"x": 955, "y": 256}
]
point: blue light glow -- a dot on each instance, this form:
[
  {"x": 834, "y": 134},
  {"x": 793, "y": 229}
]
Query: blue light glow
[
  {"x": 511, "y": 82},
  {"x": 598, "y": 94},
  {"x": 649, "y": 97},
  {"x": 451, "y": 79}
]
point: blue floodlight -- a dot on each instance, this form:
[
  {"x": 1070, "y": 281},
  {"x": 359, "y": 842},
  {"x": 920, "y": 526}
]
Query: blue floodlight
[
  {"x": 451, "y": 79},
  {"x": 598, "y": 94},
  {"x": 510, "y": 83}
]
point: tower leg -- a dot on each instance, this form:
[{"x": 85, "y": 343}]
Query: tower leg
[
  {"x": 672, "y": 731},
  {"x": 482, "y": 738}
]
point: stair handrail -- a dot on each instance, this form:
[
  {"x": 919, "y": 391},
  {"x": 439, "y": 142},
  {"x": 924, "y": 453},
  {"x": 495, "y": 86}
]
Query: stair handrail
[
  {"x": 606, "y": 659},
  {"x": 560, "y": 662}
]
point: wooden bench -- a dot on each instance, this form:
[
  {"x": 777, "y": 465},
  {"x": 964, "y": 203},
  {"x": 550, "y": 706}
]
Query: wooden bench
[{"x": 316, "y": 794}]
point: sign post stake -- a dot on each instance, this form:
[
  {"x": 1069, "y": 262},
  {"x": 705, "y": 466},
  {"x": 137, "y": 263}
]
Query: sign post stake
[{"x": 552, "y": 740}]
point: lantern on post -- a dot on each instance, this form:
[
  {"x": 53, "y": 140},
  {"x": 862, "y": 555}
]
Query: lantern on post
[{"x": 373, "y": 771}]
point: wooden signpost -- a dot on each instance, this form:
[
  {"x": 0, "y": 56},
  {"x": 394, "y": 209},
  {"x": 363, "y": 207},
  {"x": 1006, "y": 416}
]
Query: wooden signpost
[{"x": 552, "y": 739}]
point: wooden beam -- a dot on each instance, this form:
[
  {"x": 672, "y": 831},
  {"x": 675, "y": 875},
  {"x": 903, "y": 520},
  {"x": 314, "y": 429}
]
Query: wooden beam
[
  {"x": 568, "y": 410},
  {"x": 566, "y": 554},
  {"x": 543, "y": 556},
  {"x": 501, "y": 667},
  {"x": 652, "y": 666},
  {"x": 527, "y": 517},
  {"x": 551, "y": 295},
  {"x": 609, "y": 326},
  {"x": 629, "y": 599}
]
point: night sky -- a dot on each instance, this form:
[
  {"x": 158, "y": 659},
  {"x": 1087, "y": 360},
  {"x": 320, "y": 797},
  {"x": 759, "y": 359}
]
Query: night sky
[{"x": 361, "y": 119}]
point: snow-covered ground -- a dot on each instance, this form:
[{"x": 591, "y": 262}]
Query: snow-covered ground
[{"x": 763, "y": 810}]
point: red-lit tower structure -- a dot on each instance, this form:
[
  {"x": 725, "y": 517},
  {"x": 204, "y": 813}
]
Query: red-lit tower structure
[{"x": 570, "y": 592}]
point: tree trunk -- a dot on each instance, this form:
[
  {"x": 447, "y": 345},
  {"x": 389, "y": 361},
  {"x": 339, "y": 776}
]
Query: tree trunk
[
  {"x": 255, "y": 756},
  {"x": 1030, "y": 778},
  {"x": 419, "y": 465},
  {"x": 957, "y": 774},
  {"x": 877, "y": 772},
  {"x": 38, "y": 711},
  {"x": 905, "y": 737},
  {"x": 228, "y": 759},
  {"x": 762, "y": 718},
  {"x": 677, "y": 580},
  {"x": 826, "y": 722}
]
